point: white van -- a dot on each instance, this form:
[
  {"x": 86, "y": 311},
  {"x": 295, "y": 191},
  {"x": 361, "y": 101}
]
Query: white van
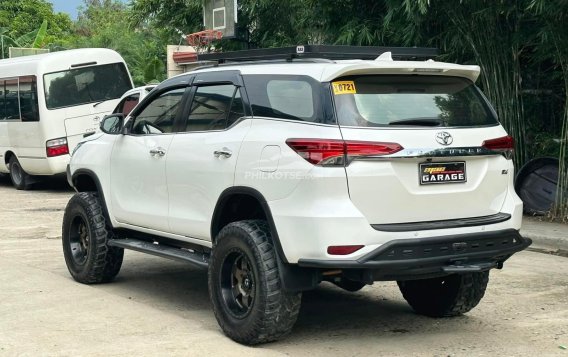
[{"x": 49, "y": 102}]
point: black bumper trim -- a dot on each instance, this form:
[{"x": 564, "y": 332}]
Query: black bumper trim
[
  {"x": 449, "y": 223},
  {"x": 433, "y": 253}
]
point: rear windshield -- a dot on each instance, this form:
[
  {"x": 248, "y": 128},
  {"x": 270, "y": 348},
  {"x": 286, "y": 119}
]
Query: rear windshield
[
  {"x": 86, "y": 85},
  {"x": 382, "y": 100}
]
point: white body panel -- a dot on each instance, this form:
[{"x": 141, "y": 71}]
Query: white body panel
[
  {"x": 196, "y": 177},
  {"x": 389, "y": 191},
  {"x": 312, "y": 206},
  {"x": 27, "y": 140},
  {"x": 139, "y": 191}
]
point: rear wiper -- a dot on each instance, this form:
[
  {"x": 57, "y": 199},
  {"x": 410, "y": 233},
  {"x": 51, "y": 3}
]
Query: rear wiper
[{"x": 419, "y": 121}]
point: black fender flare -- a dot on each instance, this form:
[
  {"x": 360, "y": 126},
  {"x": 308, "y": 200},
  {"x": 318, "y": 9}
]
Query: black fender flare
[
  {"x": 292, "y": 277},
  {"x": 95, "y": 178}
]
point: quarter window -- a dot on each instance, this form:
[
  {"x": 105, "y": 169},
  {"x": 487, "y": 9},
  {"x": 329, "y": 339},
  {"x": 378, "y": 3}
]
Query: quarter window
[{"x": 158, "y": 116}]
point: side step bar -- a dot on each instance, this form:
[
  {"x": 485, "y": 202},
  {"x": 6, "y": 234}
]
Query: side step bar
[{"x": 200, "y": 260}]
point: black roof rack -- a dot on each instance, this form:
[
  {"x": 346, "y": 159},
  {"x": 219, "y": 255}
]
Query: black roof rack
[{"x": 321, "y": 51}]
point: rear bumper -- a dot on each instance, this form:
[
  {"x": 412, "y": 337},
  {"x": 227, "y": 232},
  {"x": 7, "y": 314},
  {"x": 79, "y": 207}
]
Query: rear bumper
[{"x": 434, "y": 255}]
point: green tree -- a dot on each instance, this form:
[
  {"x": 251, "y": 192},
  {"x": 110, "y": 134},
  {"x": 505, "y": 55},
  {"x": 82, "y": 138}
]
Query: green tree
[
  {"x": 22, "y": 17},
  {"x": 105, "y": 23}
]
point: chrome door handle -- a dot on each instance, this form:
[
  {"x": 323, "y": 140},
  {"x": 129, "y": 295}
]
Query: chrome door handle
[
  {"x": 225, "y": 152},
  {"x": 157, "y": 151}
]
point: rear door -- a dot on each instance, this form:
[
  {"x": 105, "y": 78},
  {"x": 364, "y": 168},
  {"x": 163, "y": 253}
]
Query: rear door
[
  {"x": 202, "y": 157},
  {"x": 442, "y": 171}
]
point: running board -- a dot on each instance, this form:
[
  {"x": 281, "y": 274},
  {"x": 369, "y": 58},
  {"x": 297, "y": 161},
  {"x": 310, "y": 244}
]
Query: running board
[{"x": 200, "y": 260}]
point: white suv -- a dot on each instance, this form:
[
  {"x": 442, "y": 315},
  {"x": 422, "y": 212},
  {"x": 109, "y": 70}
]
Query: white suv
[{"x": 278, "y": 175}]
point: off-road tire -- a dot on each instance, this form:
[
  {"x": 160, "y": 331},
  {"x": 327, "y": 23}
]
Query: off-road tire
[
  {"x": 447, "y": 296},
  {"x": 273, "y": 311},
  {"x": 350, "y": 285},
  {"x": 99, "y": 262},
  {"x": 20, "y": 179}
]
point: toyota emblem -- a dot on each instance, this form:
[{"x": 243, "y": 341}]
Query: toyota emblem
[{"x": 444, "y": 138}]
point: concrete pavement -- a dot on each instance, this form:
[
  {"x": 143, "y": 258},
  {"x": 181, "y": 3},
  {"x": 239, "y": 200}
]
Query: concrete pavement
[{"x": 546, "y": 235}]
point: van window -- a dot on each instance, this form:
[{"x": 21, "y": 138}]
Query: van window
[
  {"x": 390, "y": 100},
  {"x": 9, "y": 106},
  {"x": 86, "y": 85},
  {"x": 28, "y": 99}
]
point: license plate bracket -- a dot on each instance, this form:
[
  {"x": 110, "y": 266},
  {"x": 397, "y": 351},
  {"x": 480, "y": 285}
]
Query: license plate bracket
[{"x": 442, "y": 172}]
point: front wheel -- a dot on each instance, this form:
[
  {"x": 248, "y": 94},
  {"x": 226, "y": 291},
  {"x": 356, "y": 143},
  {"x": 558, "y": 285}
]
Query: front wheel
[
  {"x": 244, "y": 285},
  {"x": 451, "y": 295},
  {"x": 85, "y": 236}
]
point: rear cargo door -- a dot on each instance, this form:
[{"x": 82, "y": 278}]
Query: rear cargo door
[{"x": 442, "y": 170}]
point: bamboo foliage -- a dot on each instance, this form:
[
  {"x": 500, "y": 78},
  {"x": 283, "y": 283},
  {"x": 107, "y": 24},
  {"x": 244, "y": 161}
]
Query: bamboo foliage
[{"x": 553, "y": 45}]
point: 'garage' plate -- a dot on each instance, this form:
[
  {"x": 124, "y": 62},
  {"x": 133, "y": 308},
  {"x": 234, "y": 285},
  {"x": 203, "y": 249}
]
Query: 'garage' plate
[{"x": 442, "y": 172}]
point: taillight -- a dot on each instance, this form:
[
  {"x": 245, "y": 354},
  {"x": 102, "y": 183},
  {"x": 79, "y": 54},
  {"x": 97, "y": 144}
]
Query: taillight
[
  {"x": 504, "y": 145},
  {"x": 328, "y": 152},
  {"x": 343, "y": 249},
  {"x": 56, "y": 147}
]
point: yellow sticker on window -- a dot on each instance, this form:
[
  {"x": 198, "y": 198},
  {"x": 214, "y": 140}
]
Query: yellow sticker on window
[{"x": 344, "y": 87}]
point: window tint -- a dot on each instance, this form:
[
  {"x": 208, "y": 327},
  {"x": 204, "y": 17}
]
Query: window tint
[
  {"x": 10, "y": 108},
  {"x": 237, "y": 109},
  {"x": 286, "y": 97},
  {"x": 210, "y": 108},
  {"x": 28, "y": 99},
  {"x": 158, "y": 116},
  {"x": 293, "y": 98},
  {"x": 382, "y": 100},
  {"x": 86, "y": 85}
]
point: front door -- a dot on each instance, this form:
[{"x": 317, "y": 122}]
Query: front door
[{"x": 139, "y": 191}]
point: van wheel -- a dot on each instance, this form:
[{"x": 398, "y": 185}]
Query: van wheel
[
  {"x": 447, "y": 296},
  {"x": 244, "y": 285},
  {"x": 20, "y": 179},
  {"x": 85, "y": 235}
]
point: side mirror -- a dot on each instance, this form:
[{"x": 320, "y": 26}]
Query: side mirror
[{"x": 112, "y": 124}]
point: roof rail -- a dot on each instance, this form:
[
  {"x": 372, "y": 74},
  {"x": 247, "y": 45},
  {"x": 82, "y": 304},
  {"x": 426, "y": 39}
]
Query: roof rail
[
  {"x": 320, "y": 51},
  {"x": 210, "y": 64}
]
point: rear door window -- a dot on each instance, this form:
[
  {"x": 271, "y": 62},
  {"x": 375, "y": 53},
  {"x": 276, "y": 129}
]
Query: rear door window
[
  {"x": 382, "y": 100},
  {"x": 213, "y": 106}
]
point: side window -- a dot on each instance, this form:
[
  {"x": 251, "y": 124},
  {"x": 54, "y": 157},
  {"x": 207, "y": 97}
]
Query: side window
[
  {"x": 11, "y": 106},
  {"x": 127, "y": 104},
  {"x": 28, "y": 99},
  {"x": 211, "y": 108},
  {"x": 158, "y": 116},
  {"x": 2, "y": 100},
  {"x": 237, "y": 109},
  {"x": 292, "y": 98},
  {"x": 286, "y": 97}
]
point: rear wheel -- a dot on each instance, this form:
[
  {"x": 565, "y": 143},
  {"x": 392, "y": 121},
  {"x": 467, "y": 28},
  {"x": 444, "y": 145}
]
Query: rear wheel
[
  {"x": 85, "y": 235},
  {"x": 450, "y": 295},
  {"x": 244, "y": 285},
  {"x": 20, "y": 179}
]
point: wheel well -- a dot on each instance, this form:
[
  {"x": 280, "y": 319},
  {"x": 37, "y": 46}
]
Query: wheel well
[
  {"x": 84, "y": 183},
  {"x": 236, "y": 207},
  {"x": 8, "y": 156}
]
